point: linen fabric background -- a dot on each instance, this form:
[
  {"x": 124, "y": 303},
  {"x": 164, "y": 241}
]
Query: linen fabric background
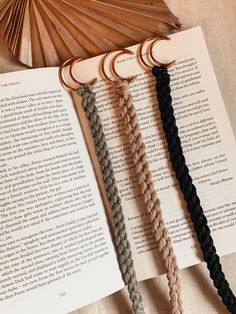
[{"x": 218, "y": 21}]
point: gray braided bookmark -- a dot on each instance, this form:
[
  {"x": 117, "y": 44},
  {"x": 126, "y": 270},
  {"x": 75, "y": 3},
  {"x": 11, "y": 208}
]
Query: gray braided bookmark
[{"x": 102, "y": 152}]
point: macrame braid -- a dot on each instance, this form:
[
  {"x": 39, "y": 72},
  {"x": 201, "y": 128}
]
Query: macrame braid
[
  {"x": 151, "y": 200},
  {"x": 188, "y": 189},
  {"x": 102, "y": 152}
]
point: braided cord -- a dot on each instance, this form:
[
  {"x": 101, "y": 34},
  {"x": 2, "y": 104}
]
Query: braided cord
[
  {"x": 151, "y": 200},
  {"x": 188, "y": 189},
  {"x": 122, "y": 243}
]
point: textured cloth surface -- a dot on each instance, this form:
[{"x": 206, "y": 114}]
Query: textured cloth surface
[{"x": 218, "y": 21}]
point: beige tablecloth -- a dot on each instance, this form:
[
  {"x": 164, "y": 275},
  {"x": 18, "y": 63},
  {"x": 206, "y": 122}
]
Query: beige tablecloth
[{"x": 218, "y": 21}]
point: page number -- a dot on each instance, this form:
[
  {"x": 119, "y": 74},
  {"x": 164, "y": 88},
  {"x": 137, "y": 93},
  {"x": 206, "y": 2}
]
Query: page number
[{"x": 62, "y": 294}]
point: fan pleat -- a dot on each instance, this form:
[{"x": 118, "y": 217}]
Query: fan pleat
[
  {"x": 18, "y": 22},
  {"x": 124, "y": 14},
  {"x": 69, "y": 44},
  {"x": 79, "y": 29},
  {"x": 48, "y": 47},
  {"x": 9, "y": 26},
  {"x": 120, "y": 31},
  {"x": 24, "y": 50},
  {"x": 47, "y": 32}
]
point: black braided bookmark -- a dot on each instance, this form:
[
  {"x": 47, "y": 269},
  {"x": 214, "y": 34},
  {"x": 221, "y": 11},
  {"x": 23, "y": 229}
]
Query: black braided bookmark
[{"x": 188, "y": 189}]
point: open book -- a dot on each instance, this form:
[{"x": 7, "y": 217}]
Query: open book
[{"x": 56, "y": 248}]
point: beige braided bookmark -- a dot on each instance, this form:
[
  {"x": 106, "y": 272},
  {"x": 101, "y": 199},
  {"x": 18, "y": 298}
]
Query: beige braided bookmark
[{"x": 149, "y": 194}]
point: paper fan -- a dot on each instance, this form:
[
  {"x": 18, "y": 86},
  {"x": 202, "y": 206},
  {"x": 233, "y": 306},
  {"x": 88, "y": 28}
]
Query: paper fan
[{"x": 47, "y": 32}]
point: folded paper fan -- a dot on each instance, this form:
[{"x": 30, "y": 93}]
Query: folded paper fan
[{"x": 46, "y": 32}]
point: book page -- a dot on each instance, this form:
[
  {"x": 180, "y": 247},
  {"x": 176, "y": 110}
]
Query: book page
[
  {"x": 56, "y": 249},
  {"x": 207, "y": 140}
]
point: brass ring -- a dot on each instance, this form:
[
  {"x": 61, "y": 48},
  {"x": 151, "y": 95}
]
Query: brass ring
[
  {"x": 77, "y": 60},
  {"x": 168, "y": 65},
  {"x": 122, "y": 51},
  {"x": 140, "y": 53},
  {"x": 61, "y": 78},
  {"x": 103, "y": 72}
]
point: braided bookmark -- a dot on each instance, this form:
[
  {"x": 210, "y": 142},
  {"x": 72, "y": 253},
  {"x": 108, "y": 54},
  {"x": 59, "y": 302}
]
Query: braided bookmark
[
  {"x": 102, "y": 152},
  {"x": 188, "y": 189},
  {"x": 151, "y": 200}
]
